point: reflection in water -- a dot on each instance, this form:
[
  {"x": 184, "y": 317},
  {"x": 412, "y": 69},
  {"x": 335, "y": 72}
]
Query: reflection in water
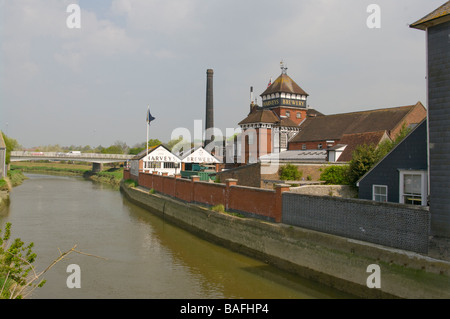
[{"x": 146, "y": 257}]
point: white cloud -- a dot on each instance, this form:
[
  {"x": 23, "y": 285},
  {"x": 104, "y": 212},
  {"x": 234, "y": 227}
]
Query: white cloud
[{"x": 160, "y": 16}]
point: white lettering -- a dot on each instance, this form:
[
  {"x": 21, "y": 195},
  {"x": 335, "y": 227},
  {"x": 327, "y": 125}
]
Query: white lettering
[
  {"x": 74, "y": 20},
  {"x": 373, "y": 281},
  {"x": 74, "y": 280},
  {"x": 374, "y": 20}
]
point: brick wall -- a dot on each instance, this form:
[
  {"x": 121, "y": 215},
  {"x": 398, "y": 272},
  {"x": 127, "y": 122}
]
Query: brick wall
[
  {"x": 310, "y": 145},
  {"x": 249, "y": 201},
  {"x": 248, "y": 175},
  {"x": 389, "y": 224}
]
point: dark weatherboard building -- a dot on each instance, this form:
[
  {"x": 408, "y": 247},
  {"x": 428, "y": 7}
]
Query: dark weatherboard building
[
  {"x": 437, "y": 26},
  {"x": 402, "y": 175}
]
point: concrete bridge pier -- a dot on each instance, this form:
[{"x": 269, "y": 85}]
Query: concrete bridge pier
[{"x": 97, "y": 167}]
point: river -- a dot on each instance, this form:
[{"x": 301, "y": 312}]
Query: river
[{"x": 142, "y": 256}]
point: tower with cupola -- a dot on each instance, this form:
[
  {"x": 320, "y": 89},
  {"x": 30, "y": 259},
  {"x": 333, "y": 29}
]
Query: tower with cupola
[{"x": 284, "y": 107}]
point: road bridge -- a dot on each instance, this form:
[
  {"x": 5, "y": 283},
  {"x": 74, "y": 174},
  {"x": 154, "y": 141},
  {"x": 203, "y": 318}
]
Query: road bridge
[{"x": 96, "y": 159}]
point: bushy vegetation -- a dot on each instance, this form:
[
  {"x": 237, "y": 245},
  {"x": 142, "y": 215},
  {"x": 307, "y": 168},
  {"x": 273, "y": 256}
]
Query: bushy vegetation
[
  {"x": 336, "y": 175},
  {"x": 16, "y": 177},
  {"x": 16, "y": 270},
  {"x": 289, "y": 172},
  {"x": 364, "y": 157},
  {"x": 3, "y": 185}
]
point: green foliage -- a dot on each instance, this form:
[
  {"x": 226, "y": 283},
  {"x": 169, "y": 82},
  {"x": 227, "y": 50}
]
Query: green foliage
[
  {"x": 363, "y": 159},
  {"x": 135, "y": 150},
  {"x": 131, "y": 183},
  {"x": 290, "y": 172},
  {"x": 15, "y": 265},
  {"x": 153, "y": 142},
  {"x": 76, "y": 171},
  {"x": 335, "y": 175},
  {"x": 113, "y": 149},
  {"x": 218, "y": 208},
  {"x": 3, "y": 185},
  {"x": 11, "y": 145},
  {"x": 16, "y": 177}
]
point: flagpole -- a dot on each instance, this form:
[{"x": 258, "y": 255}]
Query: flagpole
[{"x": 148, "y": 124}]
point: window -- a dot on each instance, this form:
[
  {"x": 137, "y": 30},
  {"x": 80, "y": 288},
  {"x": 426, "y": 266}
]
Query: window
[
  {"x": 299, "y": 115},
  {"x": 319, "y": 146},
  {"x": 413, "y": 187},
  {"x": 379, "y": 193},
  {"x": 155, "y": 164},
  {"x": 303, "y": 146},
  {"x": 170, "y": 165},
  {"x": 288, "y": 114}
]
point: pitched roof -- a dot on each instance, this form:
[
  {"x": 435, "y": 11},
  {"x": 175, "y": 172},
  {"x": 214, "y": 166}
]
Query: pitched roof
[
  {"x": 284, "y": 84},
  {"x": 295, "y": 156},
  {"x": 260, "y": 116},
  {"x": 356, "y": 139},
  {"x": 143, "y": 153},
  {"x": 404, "y": 140},
  {"x": 333, "y": 127},
  {"x": 438, "y": 16}
]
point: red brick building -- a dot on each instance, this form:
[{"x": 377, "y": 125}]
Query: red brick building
[
  {"x": 268, "y": 128},
  {"x": 351, "y": 129}
]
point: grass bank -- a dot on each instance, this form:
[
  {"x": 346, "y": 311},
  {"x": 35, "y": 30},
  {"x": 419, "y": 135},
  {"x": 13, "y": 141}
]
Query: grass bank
[{"x": 110, "y": 175}]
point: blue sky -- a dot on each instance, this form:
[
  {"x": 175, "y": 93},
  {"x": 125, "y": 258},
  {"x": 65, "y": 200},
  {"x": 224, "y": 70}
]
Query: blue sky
[{"x": 92, "y": 86}]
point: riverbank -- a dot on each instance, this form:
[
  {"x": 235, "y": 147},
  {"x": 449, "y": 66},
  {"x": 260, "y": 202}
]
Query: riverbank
[
  {"x": 110, "y": 176},
  {"x": 332, "y": 260},
  {"x": 14, "y": 178}
]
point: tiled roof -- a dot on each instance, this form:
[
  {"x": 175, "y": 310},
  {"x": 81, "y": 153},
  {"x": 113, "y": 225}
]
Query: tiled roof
[
  {"x": 295, "y": 156},
  {"x": 440, "y": 15},
  {"x": 144, "y": 152},
  {"x": 260, "y": 116},
  {"x": 284, "y": 84},
  {"x": 333, "y": 127},
  {"x": 356, "y": 139}
]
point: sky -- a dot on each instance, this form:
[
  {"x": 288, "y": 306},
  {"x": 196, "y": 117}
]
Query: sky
[{"x": 92, "y": 85}]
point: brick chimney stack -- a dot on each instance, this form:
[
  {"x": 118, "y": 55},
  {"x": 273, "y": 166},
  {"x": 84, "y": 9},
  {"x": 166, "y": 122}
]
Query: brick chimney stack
[{"x": 209, "y": 102}]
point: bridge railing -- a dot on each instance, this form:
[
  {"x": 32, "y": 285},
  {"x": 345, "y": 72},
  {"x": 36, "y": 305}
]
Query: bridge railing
[{"x": 70, "y": 156}]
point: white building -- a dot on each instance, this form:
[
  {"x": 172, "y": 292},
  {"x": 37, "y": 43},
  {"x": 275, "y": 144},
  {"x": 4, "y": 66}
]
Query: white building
[{"x": 157, "y": 159}]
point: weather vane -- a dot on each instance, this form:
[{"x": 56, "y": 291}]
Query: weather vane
[{"x": 283, "y": 67}]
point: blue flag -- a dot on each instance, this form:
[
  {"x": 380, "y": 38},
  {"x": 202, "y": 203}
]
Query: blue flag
[{"x": 149, "y": 116}]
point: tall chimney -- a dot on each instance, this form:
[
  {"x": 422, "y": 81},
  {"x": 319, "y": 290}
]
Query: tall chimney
[{"x": 209, "y": 103}]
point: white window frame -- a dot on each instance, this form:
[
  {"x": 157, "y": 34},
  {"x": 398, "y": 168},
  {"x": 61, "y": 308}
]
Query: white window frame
[
  {"x": 374, "y": 194},
  {"x": 423, "y": 185}
]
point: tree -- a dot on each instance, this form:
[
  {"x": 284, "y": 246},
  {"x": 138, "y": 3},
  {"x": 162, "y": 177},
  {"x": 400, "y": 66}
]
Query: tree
[
  {"x": 18, "y": 277},
  {"x": 335, "y": 175},
  {"x": 113, "y": 149},
  {"x": 153, "y": 142},
  {"x": 364, "y": 157},
  {"x": 11, "y": 145},
  {"x": 289, "y": 172},
  {"x": 15, "y": 265}
]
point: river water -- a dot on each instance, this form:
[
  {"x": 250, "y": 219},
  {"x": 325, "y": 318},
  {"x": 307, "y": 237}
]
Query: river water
[{"x": 142, "y": 256}]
